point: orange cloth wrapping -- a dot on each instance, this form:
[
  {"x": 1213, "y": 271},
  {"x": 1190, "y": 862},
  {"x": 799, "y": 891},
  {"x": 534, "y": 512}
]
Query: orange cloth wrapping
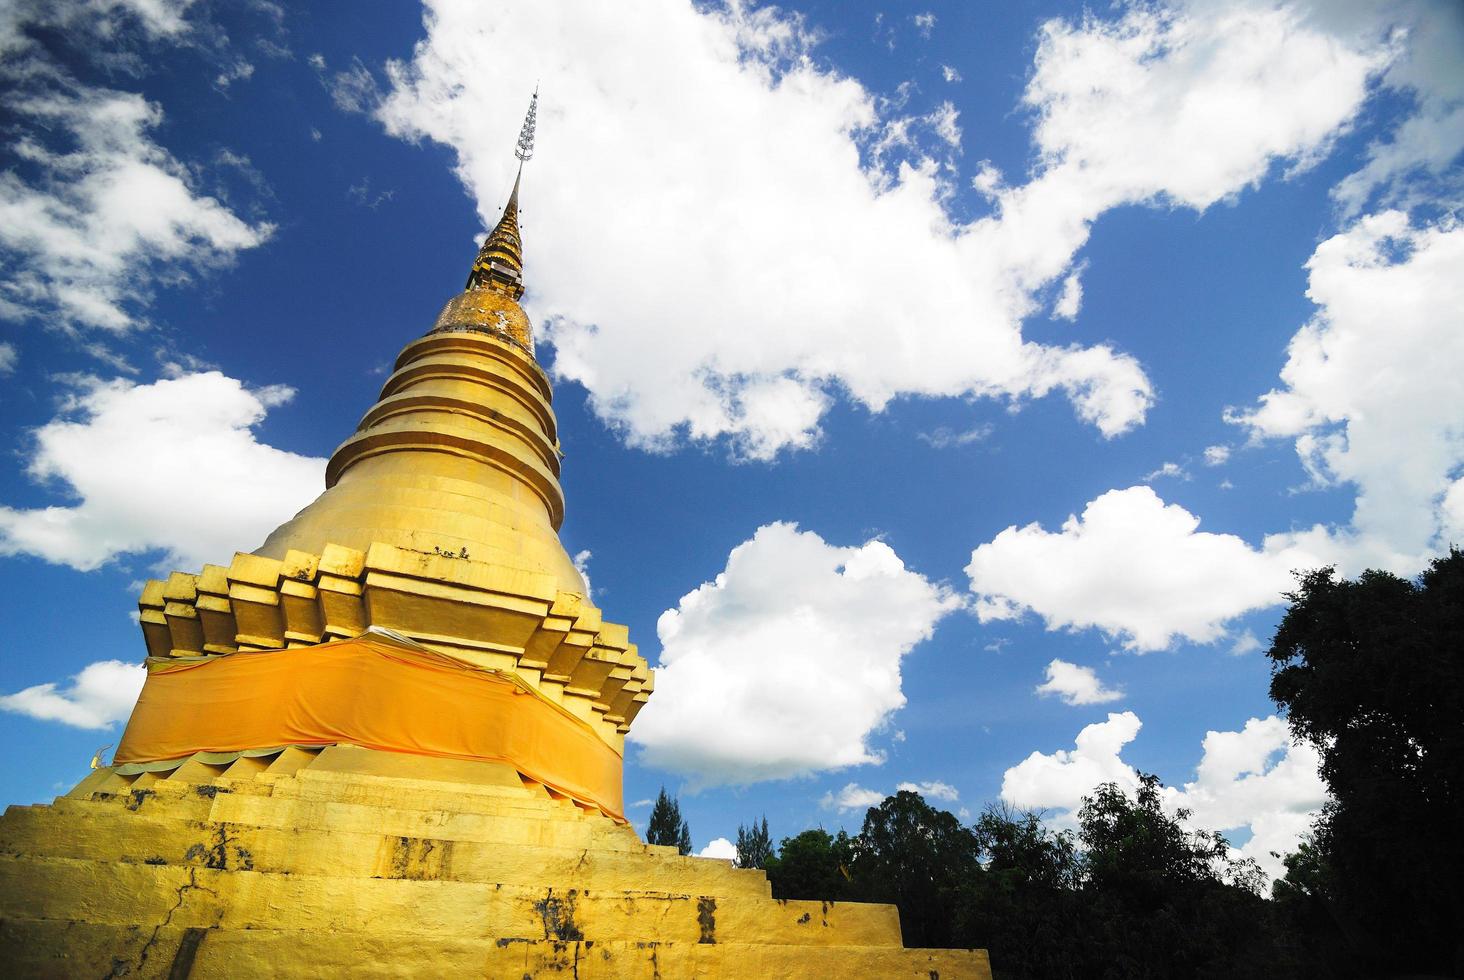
[{"x": 378, "y": 694}]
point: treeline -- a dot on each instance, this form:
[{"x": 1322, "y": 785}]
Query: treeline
[
  {"x": 1131, "y": 893},
  {"x": 1370, "y": 671}
]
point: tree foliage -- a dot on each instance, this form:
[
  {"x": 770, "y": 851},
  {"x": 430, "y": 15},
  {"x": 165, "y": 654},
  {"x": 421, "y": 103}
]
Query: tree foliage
[
  {"x": 1165, "y": 901},
  {"x": 1371, "y": 672},
  {"x": 1130, "y": 893},
  {"x": 1026, "y": 906},
  {"x": 813, "y": 866},
  {"x": 666, "y": 827},
  {"x": 1133, "y": 846},
  {"x": 915, "y": 857},
  {"x": 1305, "y": 901},
  {"x": 754, "y": 845}
]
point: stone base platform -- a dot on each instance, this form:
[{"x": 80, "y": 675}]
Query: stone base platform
[{"x": 351, "y": 863}]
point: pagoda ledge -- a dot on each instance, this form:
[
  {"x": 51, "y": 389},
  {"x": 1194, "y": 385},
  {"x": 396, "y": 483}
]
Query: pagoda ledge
[{"x": 485, "y": 614}]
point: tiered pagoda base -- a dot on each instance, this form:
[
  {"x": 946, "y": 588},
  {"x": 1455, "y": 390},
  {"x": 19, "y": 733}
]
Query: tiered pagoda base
[{"x": 346, "y": 862}]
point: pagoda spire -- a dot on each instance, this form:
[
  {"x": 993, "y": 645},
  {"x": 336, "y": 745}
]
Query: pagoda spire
[{"x": 500, "y": 262}]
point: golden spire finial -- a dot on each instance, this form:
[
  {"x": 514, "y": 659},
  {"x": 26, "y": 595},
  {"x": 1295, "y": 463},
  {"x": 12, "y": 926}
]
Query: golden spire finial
[
  {"x": 500, "y": 262},
  {"x": 525, "y": 148}
]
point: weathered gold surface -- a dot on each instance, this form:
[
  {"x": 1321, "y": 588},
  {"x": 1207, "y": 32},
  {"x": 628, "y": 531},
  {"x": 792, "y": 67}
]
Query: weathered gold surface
[
  {"x": 459, "y": 455},
  {"x": 354, "y": 863},
  {"x": 488, "y": 312}
]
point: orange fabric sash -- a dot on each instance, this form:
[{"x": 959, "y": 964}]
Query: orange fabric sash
[{"x": 379, "y": 694}]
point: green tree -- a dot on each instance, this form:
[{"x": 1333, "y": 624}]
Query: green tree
[
  {"x": 1371, "y": 672},
  {"x": 1135, "y": 847},
  {"x": 917, "y": 858},
  {"x": 1025, "y": 907},
  {"x": 1305, "y": 901},
  {"x": 812, "y": 866},
  {"x": 754, "y": 846},
  {"x": 1019, "y": 842},
  {"x": 1164, "y": 901},
  {"x": 666, "y": 827},
  {"x": 1133, "y": 893}
]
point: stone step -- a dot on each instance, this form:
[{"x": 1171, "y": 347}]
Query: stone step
[
  {"x": 395, "y": 795},
  {"x": 426, "y": 774},
  {"x": 540, "y": 823},
  {"x": 205, "y": 954},
  {"x": 402, "y": 795},
  {"x": 351, "y": 774},
  {"x": 407, "y": 794},
  {"x": 501, "y": 831},
  {"x": 544, "y": 829},
  {"x": 141, "y": 894},
  {"x": 180, "y": 800},
  {"x": 73, "y": 831}
]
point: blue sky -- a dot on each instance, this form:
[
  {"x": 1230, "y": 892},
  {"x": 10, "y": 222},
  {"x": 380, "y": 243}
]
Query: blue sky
[{"x": 948, "y": 390}]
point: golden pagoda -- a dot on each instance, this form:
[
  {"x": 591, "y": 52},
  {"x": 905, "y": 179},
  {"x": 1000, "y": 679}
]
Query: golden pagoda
[{"x": 389, "y": 741}]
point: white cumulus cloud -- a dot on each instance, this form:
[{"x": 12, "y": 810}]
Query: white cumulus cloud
[
  {"x": 1417, "y": 160},
  {"x": 1372, "y": 393},
  {"x": 171, "y": 466},
  {"x": 770, "y": 178},
  {"x": 1196, "y": 101},
  {"x": 1060, "y": 780},
  {"x": 1138, "y": 569},
  {"x": 1076, "y": 684},
  {"x": 856, "y": 797},
  {"x": 1170, "y": 470},
  {"x": 1246, "y": 643},
  {"x": 92, "y": 19},
  {"x": 1255, "y": 780},
  {"x": 932, "y": 790},
  {"x": 101, "y": 213},
  {"x": 101, "y": 695},
  {"x": 1070, "y": 300},
  {"x": 1373, "y": 386},
  {"x": 1189, "y": 103},
  {"x": 1181, "y": 107},
  {"x": 944, "y": 437},
  {"x": 852, "y": 797},
  {"x": 721, "y": 848},
  {"x": 748, "y": 128},
  {"x": 787, "y": 662},
  {"x": 582, "y": 565}
]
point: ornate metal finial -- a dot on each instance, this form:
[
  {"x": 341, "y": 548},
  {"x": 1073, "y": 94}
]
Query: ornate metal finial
[
  {"x": 525, "y": 147},
  {"x": 500, "y": 262}
]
